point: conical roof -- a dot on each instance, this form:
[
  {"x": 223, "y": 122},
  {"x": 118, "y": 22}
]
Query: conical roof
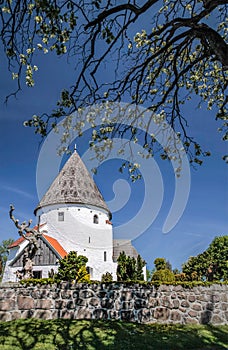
[{"x": 73, "y": 185}]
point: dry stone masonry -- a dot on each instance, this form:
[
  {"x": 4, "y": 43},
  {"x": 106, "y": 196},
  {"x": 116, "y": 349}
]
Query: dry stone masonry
[{"x": 117, "y": 301}]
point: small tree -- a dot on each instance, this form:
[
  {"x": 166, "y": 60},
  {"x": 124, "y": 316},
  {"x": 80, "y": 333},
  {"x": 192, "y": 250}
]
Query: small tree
[
  {"x": 73, "y": 268},
  {"x": 31, "y": 235},
  {"x": 130, "y": 269},
  {"x": 140, "y": 263},
  {"x": 163, "y": 272},
  {"x": 160, "y": 264}
]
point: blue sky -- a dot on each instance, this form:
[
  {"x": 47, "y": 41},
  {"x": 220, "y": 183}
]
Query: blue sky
[{"x": 205, "y": 215}]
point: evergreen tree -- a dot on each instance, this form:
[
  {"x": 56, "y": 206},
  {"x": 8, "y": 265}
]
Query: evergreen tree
[{"x": 73, "y": 268}]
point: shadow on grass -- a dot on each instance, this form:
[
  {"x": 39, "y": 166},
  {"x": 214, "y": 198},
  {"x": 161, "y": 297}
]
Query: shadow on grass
[{"x": 99, "y": 334}]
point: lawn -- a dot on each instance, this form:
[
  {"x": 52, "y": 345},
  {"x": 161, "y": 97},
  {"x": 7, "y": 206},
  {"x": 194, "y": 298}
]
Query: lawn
[{"x": 63, "y": 334}]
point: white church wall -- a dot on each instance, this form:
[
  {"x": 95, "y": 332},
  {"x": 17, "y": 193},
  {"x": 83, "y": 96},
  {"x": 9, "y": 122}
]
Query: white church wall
[
  {"x": 9, "y": 272},
  {"x": 78, "y": 232}
]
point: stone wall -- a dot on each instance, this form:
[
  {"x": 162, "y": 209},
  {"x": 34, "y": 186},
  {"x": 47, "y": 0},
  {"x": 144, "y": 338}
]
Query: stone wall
[{"x": 135, "y": 303}]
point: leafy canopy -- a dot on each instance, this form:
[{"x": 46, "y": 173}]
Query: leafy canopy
[
  {"x": 73, "y": 268},
  {"x": 157, "y": 53},
  {"x": 212, "y": 264}
]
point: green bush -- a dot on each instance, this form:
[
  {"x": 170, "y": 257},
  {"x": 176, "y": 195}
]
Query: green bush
[
  {"x": 35, "y": 281},
  {"x": 164, "y": 275},
  {"x": 106, "y": 277}
]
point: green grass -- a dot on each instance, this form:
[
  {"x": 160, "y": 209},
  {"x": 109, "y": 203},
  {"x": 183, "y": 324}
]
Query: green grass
[{"x": 63, "y": 334}]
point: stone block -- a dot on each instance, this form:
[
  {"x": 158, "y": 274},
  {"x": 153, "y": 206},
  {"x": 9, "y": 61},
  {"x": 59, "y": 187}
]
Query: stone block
[
  {"x": 127, "y": 315},
  {"x": 82, "y": 302},
  {"x": 25, "y": 302},
  {"x": 161, "y": 313},
  {"x": 7, "y": 305},
  {"x": 184, "y": 303},
  {"x": 15, "y": 315},
  {"x": 113, "y": 315},
  {"x": 152, "y": 302},
  {"x": 173, "y": 295},
  {"x": 100, "y": 314},
  {"x": 205, "y": 317},
  {"x": 66, "y": 314},
  {"x": 193, "y": 313},
  {"x": 60, "y": 304},
  {"x": 165, "y": 301},
  {"x": 27, "y": 314},
  {"x": 140, "y": 303},
  {"x": 126, "y": 295},
  {"x": 191, "y": 298},
  {"x": 5, "y": 316},
  {"x": 216, "y": 319},
  {"x": 83, "y": 313},
  {"x": 66, "y": 294},
  {"x": 107, "y": 303},
  {"x": 196, "y": 307},
  {"x": 75, "y": 294},
  {"x": 70, "y": 304},
  {"x": 224, "y": 306},
  {"x": 191, "y": 321},
  {"x": 175, "y": 316},
  {"x": 127, "y": 305},
  {"x": 94, "y": 302},
  {"x": 215, "y": 298},
  {"x": 144, "y": 316},
  {"x": 44, "y": 304},
  {"x": 102, "y": 294},
  {"x": 177, "y": 288},
  {"x": 176, "y": 304},
  {"x": 86, "y": 293},
  {"x": 42, "y": 314},
  {"x": 118, "y": 305}
]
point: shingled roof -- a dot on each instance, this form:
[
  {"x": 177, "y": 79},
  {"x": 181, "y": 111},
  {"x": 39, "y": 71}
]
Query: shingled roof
[
  {"x": 55, "y": 245},
  {"x": 120, "y": 245},
  {"x": 73, "y": 185}
]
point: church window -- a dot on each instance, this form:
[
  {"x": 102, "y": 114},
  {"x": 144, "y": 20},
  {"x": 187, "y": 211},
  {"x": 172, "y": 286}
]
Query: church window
[
  {"x": 37, "y": 274},
  {"x": 90, "y": 271},
  {"x": 95, "y": 219},
  {"x": 105, "y": 256},
  {"x": 89, "y": 239},
  {"x": 61, "y": 216}
]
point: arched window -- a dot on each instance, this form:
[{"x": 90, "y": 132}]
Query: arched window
[
  {"x": 105, "y": 256},
  {"x": 95, "y": 219}
]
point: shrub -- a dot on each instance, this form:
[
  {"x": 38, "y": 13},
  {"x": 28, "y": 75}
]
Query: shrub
[
  {"x": 164, "y": 275},
  {"x": 106, "y": 277},
  {"x": 73, "y": 268}
]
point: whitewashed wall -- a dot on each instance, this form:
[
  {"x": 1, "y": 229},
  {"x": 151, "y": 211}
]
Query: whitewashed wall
[{"x": 79, "y": 233}]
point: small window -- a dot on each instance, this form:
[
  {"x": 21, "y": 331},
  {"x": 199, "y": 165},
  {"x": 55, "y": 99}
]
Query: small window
[
  {"x": 61, "y": 216},
  {"x": 37, "y": 274},
  {"x": 105, "y": 256},
  {"x": 89, "y": 239},
  {"x": 90, "y": 271},
  {"x": 95, "y": 219}
]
